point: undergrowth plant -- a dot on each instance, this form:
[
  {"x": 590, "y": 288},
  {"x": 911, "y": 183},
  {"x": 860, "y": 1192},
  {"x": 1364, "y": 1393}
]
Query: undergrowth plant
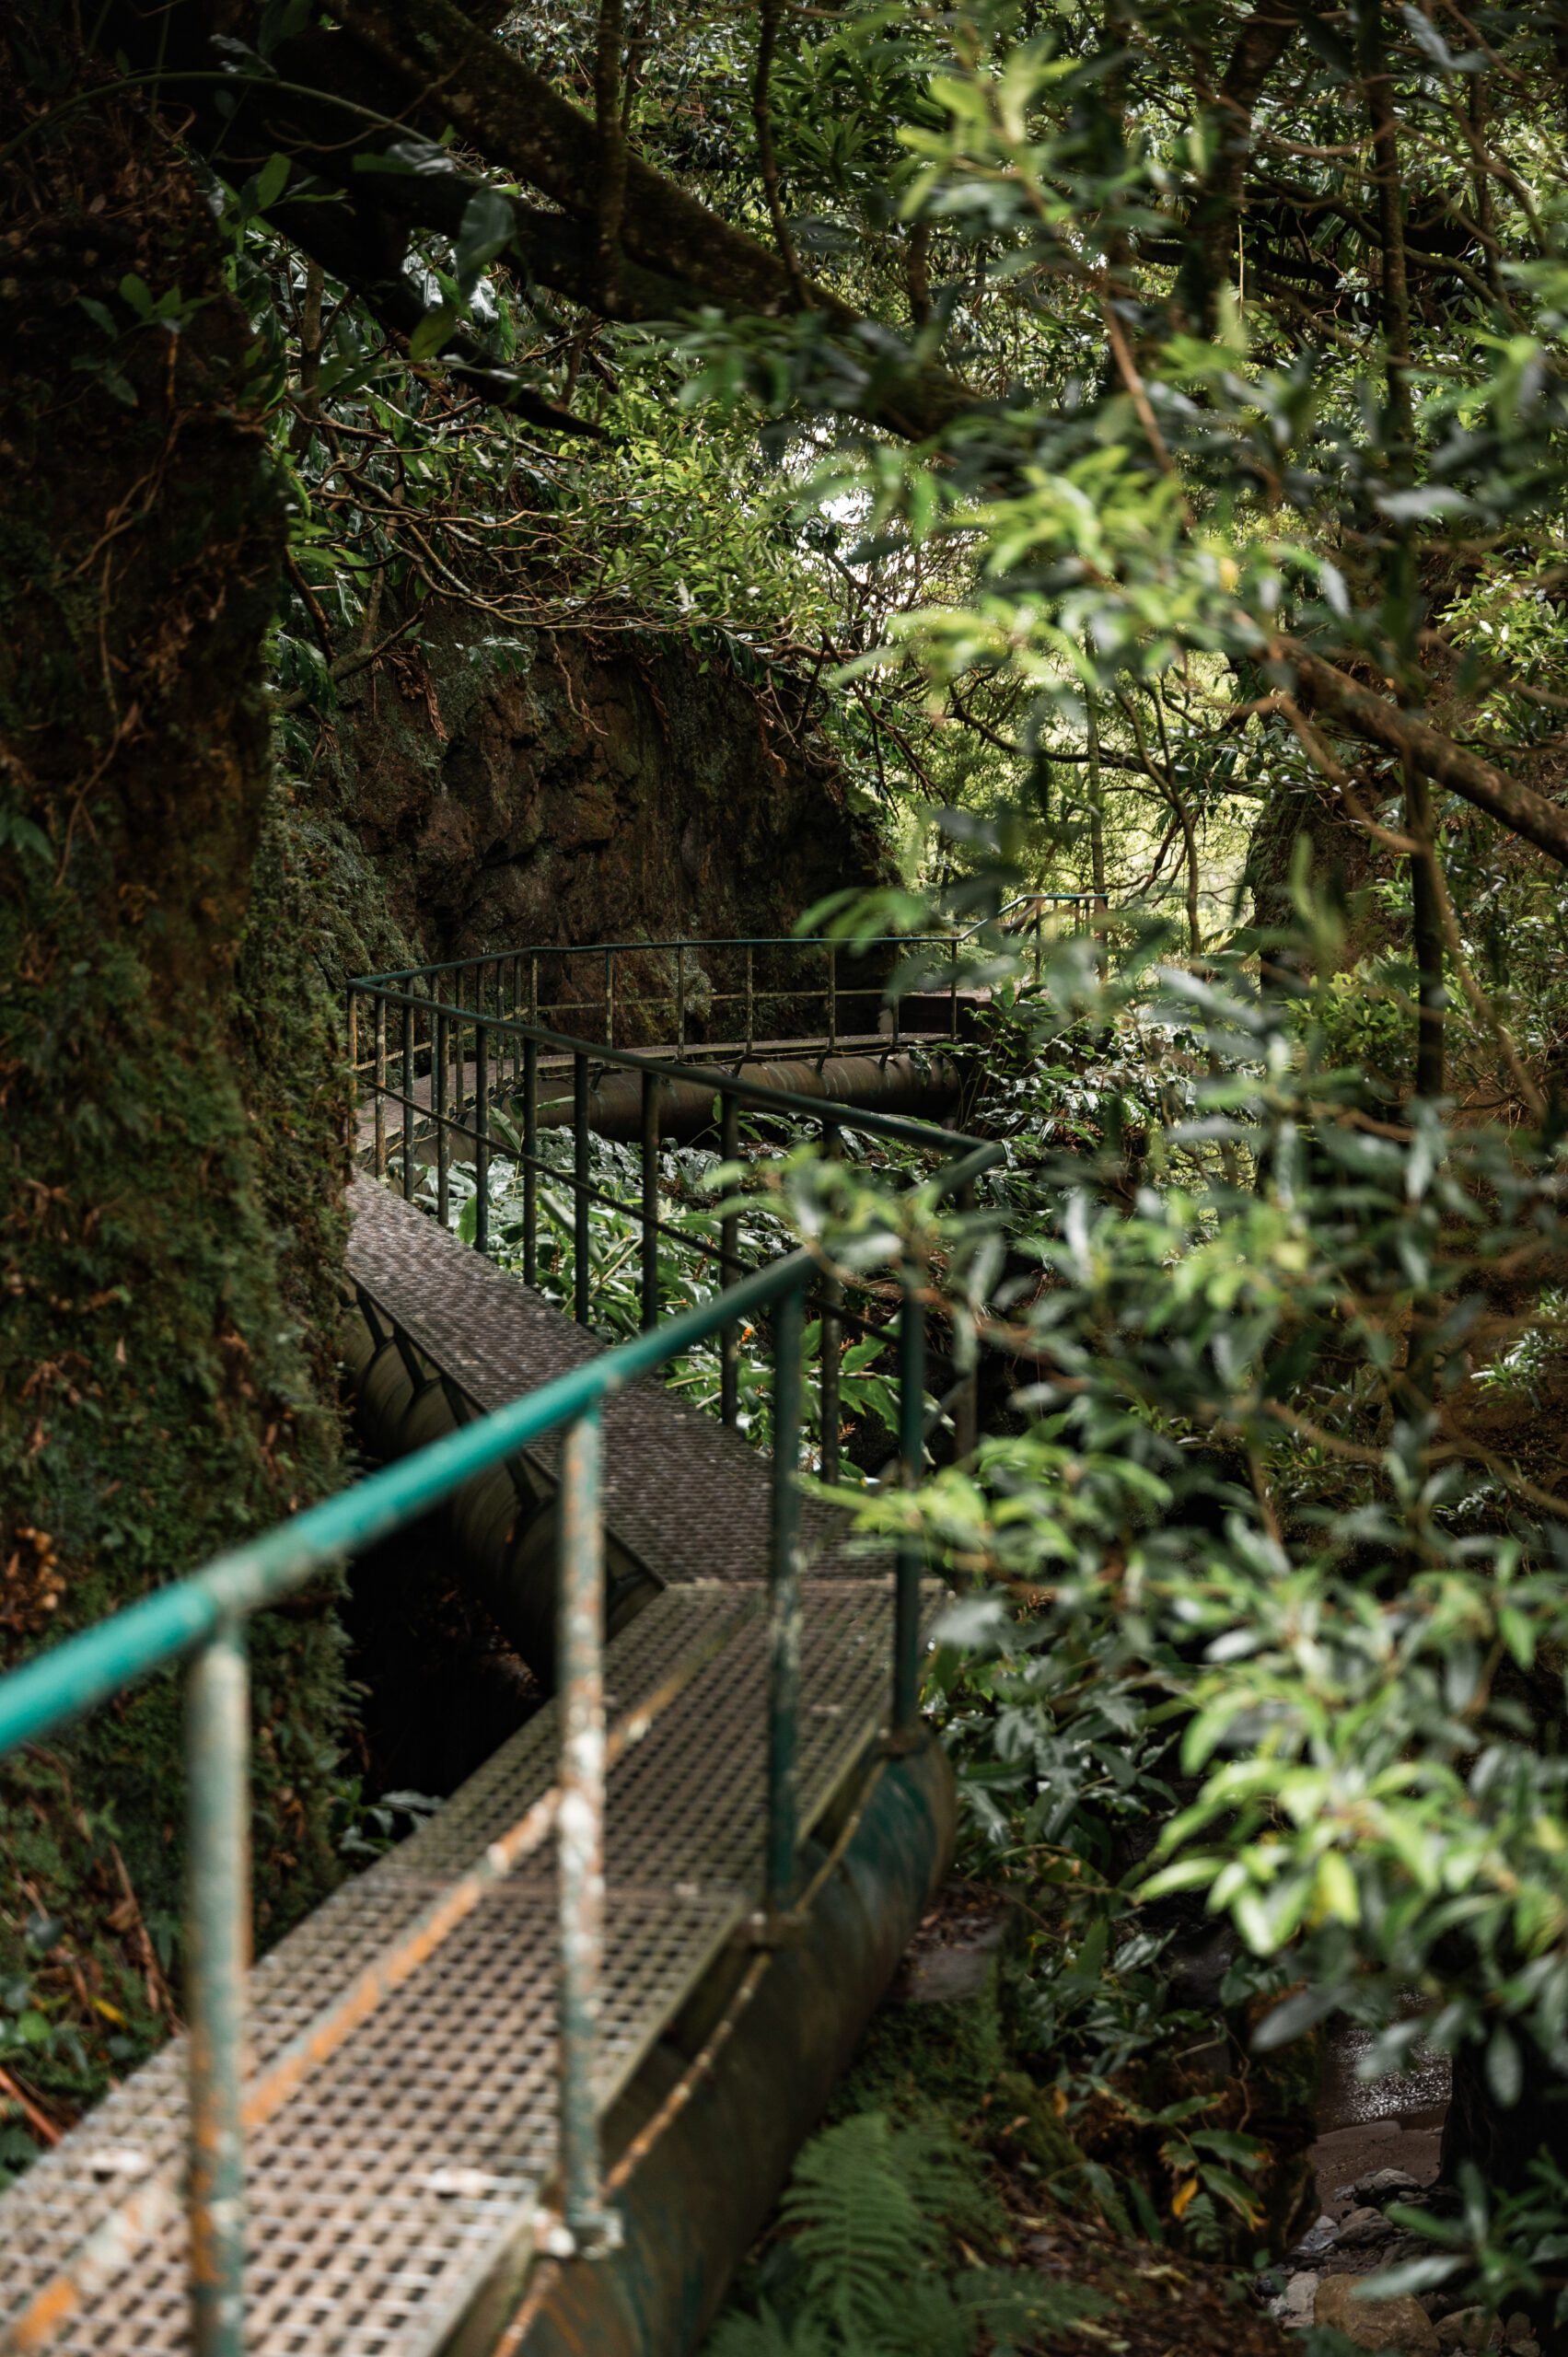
[
  {"x": 865, "y": 2263},
  {"x": 1265, "y": 1615}
]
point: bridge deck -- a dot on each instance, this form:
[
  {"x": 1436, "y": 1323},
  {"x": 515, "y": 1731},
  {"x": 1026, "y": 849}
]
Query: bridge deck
[{"x": 405, "y": 2160}]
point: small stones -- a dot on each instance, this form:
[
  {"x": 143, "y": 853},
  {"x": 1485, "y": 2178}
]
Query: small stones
[
  {"x": 1364, "y": 2227},
  {"x": 1384, "y": 2185},
  {"x": 1469, "y": 2329},
  {"x": 1472, "y": 2329},
  {"x": 1317, "y": 2239},
  {"x": 1375, "y": 2324},
  {"x": 1294, "y": 2308}
]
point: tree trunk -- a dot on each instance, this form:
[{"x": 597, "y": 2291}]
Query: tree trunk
[{"x": 160, "y": 1121}]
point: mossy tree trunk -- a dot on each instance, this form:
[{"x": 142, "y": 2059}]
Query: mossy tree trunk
[{"x": 169, "y": 1111}]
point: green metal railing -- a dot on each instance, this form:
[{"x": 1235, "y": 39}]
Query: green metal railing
[
  {"x": 813, "y": 983},
  {"x": 201, "y": 1620},
  {"x": 467, "y": 1062}
]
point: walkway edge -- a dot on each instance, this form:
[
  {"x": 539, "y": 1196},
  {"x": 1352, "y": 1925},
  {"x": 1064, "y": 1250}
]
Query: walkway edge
[{"x": 705, "y": 2187}]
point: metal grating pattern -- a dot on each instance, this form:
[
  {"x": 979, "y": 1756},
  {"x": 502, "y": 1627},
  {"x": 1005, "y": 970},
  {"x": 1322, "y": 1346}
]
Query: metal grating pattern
[
  {"x": 408, "y": 2163},
  {"x": 387, "y": 2189},
  {"x": 685, "y": 1496}
]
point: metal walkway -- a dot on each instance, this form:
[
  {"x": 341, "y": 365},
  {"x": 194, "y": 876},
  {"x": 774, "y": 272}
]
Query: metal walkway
[{"x": 402, "y": 2092}]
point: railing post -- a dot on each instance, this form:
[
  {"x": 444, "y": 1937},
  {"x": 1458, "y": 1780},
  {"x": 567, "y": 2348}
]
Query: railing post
[
  {"x": 610, "y": 998},
  {"x": 408, "y": 1104},
  {"x": 438, "y": 1053},
  {"x": 533, "y": 988},
  {"x": 966, "y": 1408},
  {"x": 581, "y": 1274},
  {"x": 832, "y": 1000},
  {"x": 530, "y": 1160},
  {"x": 482, "y": 1126},
  {"x": 650, "y": 1200},
  {"x": 680, "y": 995},
  {"x": 911, "y": 1452},
  {"x": 750, "y": 1009},
  {"x": 953, "y": 997},
  {"x": 783, "y": 1603},
  {"x": 831, "y": 1296},
  {"x": 580, "y": 1823},
  {"x": 730, "y": 1267},
  {"x": 217, "y": 1944},
  {"x": 380, "y": 1087}
]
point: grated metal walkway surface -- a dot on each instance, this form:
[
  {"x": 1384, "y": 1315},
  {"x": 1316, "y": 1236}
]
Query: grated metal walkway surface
[{"x": 408, "y": 2163}]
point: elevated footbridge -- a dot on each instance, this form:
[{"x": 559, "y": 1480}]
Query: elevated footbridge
[{"x": 532, "y": 2081}]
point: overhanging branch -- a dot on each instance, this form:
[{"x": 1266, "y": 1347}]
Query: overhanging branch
[{"x": 1362, "y": 712}]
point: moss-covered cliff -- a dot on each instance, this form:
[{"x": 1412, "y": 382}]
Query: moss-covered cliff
[{"x": 552, "y": 787}]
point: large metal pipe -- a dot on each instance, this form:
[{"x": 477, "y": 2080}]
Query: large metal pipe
[
  {"x": 501, "y": 1527},
  {"x": 725, "y": 2100},
  {"x": 908, "y": 1081}
]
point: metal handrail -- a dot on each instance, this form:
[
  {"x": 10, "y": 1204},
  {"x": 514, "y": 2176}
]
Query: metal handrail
[
  {"x": 512, "y": 978},
  {"x": 201, "y": 1619}
]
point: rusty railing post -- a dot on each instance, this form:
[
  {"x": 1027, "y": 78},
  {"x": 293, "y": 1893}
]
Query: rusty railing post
[
  {"x": 380, "y": 1086},
  {"x": 783, "y": 1603},
  {"x": 481, "y": 1127},
  {"x": 966, "y": 1408},
  {"x": 580, "y": 1826},
  {"x": 831, "y": 1295},
  {"x": 581, "y": 1274},
  {"x": 730, "y": 1267},
  {"x": 912, "y": 1453},
  {"x": 408, "y": 1104},
  {"x": 530, "y": 1161},
  {"x": 650, "y": 1201},
  {"x": 438, "y": 1054},
  {"x": 217, "y": 1944}
]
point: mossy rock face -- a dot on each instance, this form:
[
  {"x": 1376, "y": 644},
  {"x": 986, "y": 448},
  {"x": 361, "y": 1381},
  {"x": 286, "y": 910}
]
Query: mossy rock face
[
  {"x": 171, "y": 1107},
  {"x": 556, "y": 788}
]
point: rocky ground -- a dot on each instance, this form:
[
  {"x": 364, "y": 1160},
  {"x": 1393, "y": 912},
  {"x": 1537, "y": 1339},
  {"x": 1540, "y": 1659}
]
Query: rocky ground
[
  {"x": 1375, "y": 2156},
  {"x": 1378, "y": 2153}
]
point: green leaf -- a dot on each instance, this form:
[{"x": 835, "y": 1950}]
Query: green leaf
[
  {"x": 1504, "y": 2067},
  {"x": 271, "y": 181},
  {"x": 484, "y": 231},
  {"x": 435, "y": 330}
]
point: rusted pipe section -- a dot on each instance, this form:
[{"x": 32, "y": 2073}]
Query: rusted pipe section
[
  {"x": 732, "y": 2091},
  {"x": 925, "y": 1086}
]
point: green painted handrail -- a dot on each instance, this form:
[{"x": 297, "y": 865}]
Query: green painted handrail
[
  {"x": 80, "y": 1672},
  {"x": 201, "y": 1619}
]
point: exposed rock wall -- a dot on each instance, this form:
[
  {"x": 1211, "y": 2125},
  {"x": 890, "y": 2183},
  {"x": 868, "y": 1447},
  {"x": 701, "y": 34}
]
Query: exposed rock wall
[{"x": 552, "y": 788}]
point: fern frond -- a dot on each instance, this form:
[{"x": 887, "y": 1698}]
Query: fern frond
[
  {"x": 860, "y": 2233},
  {"x": 764, "y": 2336},
  {"x": 1019, "y": 2310}
]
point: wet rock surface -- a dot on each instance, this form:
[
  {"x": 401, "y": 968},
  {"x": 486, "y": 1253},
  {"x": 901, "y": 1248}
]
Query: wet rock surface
[
  {"x": 555, "y": 788},
  {"x": 1375, "y": 2324},
  {"x": 1377, "y": 2151}
]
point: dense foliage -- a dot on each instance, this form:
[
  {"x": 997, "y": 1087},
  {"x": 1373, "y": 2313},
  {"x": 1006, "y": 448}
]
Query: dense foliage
[{"x": 1143, "y": 430}]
